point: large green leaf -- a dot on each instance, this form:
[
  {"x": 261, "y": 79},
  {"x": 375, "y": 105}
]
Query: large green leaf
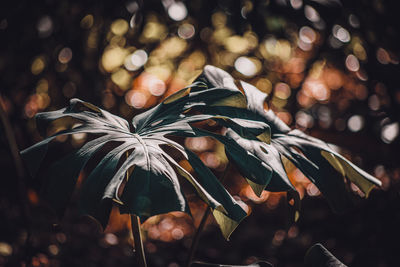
[
  {"x": 152, "y": 186},
  {"x": 316, "y": 159}
]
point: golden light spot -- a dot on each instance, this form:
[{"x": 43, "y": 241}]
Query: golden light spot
[
  {"x": 163, "y": 72},
  {"x": 5, "y": 249},
  {"x": 236, "y": 44},
  {"x": 198, "y": 59},
  {"x": 38, "y": 65},
  {"x": 171, "y": 48},
  {"x": 218, "y": 19},
  {"x": 279, "y": 48},
  {"x": 252, "y": 39},
  {"x": 221, "y": 34},
  {"x": 53, "y": 249},
  {"x": 153, "y": 31},
  {"x": 359, "y": 51},
  {"x": 122, "y": 78},
  {"x": 264, "y": 85},
  {"x": 43, "y": 100},
  {"x": 42, "y": 86},
  {"x": 87, "y": 21},
  {"x": 113, "y": 57},
  {"x": 118, "y": 40},
  {"x": 92, "y": 39},
  {"x": 119, "y": 27},
  {"x": 278, "y": 102}
]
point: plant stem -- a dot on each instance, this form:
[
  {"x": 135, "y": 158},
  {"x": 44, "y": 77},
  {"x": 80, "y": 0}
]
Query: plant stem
[
  {"x": 137, "y": 238},
  {"x": 196, "y": 237},
  {"x": 21, "y": 187},
  {"x": 199, "y": 230}
]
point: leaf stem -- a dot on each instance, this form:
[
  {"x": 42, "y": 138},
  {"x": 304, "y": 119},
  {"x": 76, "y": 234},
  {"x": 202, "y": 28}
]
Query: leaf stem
[
  {"x": 137, "y": 238},
  {"x": 203, "y": 221},
  {"x": 196, "y": 237}
]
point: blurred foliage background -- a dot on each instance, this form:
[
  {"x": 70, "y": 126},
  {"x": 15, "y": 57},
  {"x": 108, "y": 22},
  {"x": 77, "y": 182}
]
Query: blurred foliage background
[{"x": 330, "y": 68}]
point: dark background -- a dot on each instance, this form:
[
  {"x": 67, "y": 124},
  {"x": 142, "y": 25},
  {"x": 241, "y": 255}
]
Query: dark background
[{"x": 36, "y": 32}]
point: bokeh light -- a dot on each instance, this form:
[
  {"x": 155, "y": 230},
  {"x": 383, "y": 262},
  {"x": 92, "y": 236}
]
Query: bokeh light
[
  {"x": 177, "y": 11},
  {"x": 355, "y": 123},
  {"x": 136, "y": 60},
  {"x": 45, "y": 26},
  {"x": 341, "y": 33},
  {"x": 352, "y": 63},
  {"x": 328, "y": 69},
  {"x": 390, "y": 132},
  {"x": 65, "y": 55},
  {"x": 246, "y": 66}
]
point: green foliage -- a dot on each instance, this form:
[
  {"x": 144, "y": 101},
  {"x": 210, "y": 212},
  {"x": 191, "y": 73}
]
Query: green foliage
[
  {"x": 136, "y": 171},
  {"x": 315, "y": 158},
  {"x": 152, "y": 186}
]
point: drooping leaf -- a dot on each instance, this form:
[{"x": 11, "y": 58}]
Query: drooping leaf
[
  {"x": 257, "y": 161},
  {"x": 317, "y": 160},
  {"x": 319, "y": 256},
  {"x": 152, "y": 186},
  {"x": 248, "y": 147},
  {"x": 321, "y": 164}
]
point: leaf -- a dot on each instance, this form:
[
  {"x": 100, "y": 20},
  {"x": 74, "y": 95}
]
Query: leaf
[
  {"x": 319, "y": 256},
  {"x": 322, "y": 165},
  {"x": 184, "y": 100},
  {"x": 258, "y": 161},
  {"x": 152, "y": 185}
]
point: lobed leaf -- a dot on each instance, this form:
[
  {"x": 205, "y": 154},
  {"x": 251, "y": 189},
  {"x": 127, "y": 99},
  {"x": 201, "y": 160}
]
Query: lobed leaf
[
  {"x": 319, "y": 163},
  {"x": 152, "y": 185}
]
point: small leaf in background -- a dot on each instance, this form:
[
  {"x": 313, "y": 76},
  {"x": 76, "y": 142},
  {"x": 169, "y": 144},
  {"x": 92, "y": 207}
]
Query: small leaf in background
[{"x": 319, "y": 256}]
